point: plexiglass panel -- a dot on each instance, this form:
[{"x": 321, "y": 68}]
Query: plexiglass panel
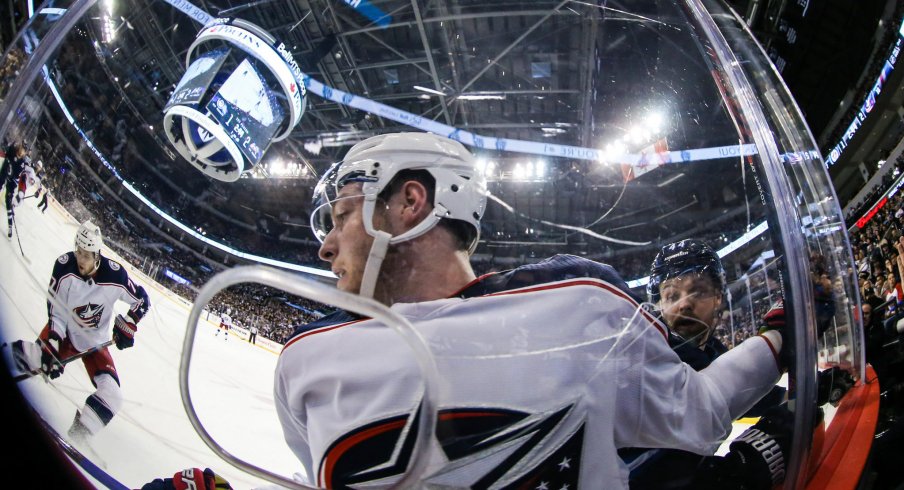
[{"x": 619, "y": 200}]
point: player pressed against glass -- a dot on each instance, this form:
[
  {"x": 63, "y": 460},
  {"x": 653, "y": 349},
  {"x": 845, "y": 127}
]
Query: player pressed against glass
[
  {"x": 690, "y": 305},
  {"x": 511, "y": 346}
]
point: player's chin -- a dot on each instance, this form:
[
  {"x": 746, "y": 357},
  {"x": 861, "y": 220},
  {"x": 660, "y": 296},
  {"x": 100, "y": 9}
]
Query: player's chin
[
  {"x": 348, "y": 285},
  {"x": 689, "y": 329}
]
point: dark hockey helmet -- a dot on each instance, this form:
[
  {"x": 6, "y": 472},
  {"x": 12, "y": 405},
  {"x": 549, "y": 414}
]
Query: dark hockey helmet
[{"x": 685, "y": 257}]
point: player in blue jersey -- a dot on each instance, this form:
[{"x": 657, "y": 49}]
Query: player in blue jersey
[
  {"x": 548, "y": 369},
  {"x": 13, "y": 163},
  {"x": 84, "y": 287},
  {"x": 688, "y": 289}
]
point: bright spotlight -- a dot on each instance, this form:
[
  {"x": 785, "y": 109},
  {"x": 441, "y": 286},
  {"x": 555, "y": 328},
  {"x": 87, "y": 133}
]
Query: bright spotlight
[
  {"x": 654, "y": 120},
  {"x": 519, "y": 172},
  {"x": 540, "y": 169},
  {"x": 614, "y": 150},
  {"x": 481, "y": 165}
]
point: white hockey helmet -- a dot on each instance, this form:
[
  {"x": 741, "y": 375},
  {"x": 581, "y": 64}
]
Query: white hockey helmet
[
  {"x": 460, "y": 192},
  {"x": 88, "y": 237}
]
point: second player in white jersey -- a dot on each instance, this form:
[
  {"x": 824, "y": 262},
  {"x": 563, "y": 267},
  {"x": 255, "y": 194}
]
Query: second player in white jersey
[
  {"x": 29, "y": 182},
  {"x": 225, "y": 323},
  {"x": 84, "y": 288}
]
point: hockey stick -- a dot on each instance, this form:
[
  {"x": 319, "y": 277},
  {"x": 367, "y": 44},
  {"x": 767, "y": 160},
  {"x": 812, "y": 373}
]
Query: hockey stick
[
  {"x": 65, "y": 361},
  {"x": 77, "y": 456},
  {"x": 16, "y": 227}
]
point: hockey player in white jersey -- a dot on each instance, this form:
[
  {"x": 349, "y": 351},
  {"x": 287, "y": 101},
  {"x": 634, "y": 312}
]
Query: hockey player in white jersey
[
  {"x": 548, "y": 369},
  {"x": 29, "y": 182},
  {"x": 84, "y": 287},
  {"x": 225, "y": 324}
]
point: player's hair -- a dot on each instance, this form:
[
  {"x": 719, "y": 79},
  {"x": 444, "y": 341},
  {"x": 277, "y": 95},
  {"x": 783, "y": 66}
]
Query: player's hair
[{"x": 463, "y": 232}]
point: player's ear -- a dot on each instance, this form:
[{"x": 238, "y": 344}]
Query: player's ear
[{"x": 415, "y": 203}]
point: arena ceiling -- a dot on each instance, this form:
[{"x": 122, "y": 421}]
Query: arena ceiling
[{"x": 563, "y": 72}]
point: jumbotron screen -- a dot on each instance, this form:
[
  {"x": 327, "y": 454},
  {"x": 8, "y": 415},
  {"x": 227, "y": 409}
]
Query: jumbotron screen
[
  {"x": 247, "y": 110},
  {"x": 197, "y": 78}
]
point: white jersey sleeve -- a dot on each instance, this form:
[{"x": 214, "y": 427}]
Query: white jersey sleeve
[{"x": 667, "y": 404}]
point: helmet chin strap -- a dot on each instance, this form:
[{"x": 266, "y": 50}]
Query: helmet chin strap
[
  {"x": 374, "y": 263},
  {"x": 382, "y": 240}
]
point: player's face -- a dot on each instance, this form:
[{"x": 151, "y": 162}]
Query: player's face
[
  {"x": 347, "y": 245},
  {"x": 689, "y": 305},
  {"x": 87, "y": 261}
]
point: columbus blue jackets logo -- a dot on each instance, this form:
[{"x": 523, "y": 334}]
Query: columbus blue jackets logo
[
  {"x": 89, "y": 315},
  {"x": 469, "y": 437},
  {"x": 114, "y": 265},
  {"x": 63, "y": 259}
]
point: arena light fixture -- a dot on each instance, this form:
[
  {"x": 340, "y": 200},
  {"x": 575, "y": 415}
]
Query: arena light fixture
[{"x": 429, "y": 90}]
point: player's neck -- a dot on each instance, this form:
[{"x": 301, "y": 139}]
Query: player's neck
[{"x": 426, "y": 277}]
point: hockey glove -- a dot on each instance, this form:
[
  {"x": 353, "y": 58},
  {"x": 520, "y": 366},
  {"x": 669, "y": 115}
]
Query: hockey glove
[
  {"x": 50, "y": 355},
  {"x": 191, "y": 478},
  {"x": 831, "y": 385},
  {"x": 757, "y": 458},
  {"x": 124, "y": 333}
]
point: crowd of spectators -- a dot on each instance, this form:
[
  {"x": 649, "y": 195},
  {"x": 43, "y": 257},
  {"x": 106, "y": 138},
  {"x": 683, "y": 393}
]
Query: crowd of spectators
[
  {"x": 9, "y": 69},
  {"x": 865, "y": 203},
  {"x": 876, "y": 247}
]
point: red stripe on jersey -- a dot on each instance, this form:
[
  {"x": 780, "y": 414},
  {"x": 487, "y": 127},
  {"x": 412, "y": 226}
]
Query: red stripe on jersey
[
  {"x": 579, "y": 282},
  {"x": 475, "y": 281},
  {"x": 774, "y": 351},
  {"x": 326, "y": 466},
  {"x": 466, "y": 415},
  {"x": 589, "y": 282},
  {"x": 320, "y": 330}
]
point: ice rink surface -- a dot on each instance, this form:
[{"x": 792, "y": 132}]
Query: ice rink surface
[{"x": 230, "y": 380}]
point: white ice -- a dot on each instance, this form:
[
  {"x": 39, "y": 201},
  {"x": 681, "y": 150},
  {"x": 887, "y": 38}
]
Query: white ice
[{"x": 230, "y": 380}]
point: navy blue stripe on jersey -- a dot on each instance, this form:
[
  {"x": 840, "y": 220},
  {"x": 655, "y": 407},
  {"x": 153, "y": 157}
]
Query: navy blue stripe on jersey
[
  {"x": 557, "y": 269},
  {"x": 311, "y": 329},
  {"x": 333, "y": 319},
  {"x": 554, "y": 269}
]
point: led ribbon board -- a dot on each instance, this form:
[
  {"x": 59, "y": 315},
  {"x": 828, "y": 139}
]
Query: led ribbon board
[{"x": 870, "y": 101}]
